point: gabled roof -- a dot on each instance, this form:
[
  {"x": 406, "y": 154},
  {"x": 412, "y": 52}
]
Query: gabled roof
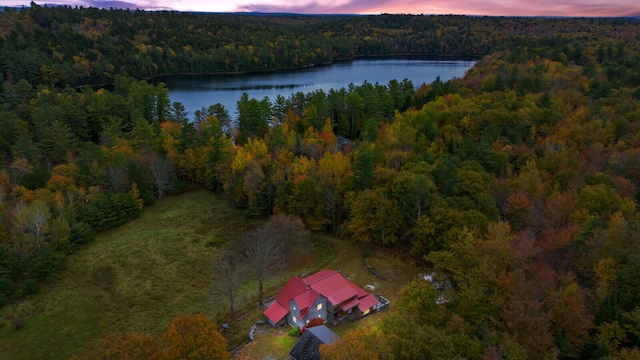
[
  {"x": 294, "y": 287},
  {"x": 367, "y": 302},
  {"x": 328, "y": 283},
  {"x": 334, "y": 287},
  {"x": 307, "y": 346},
  {"x": 280, "y": 307},
  {"x": 306, "y": 299},
  {"x": 324, "y": 334},
  {"x": 276, "y": 312},
  {"x": 318, "y": 276}
]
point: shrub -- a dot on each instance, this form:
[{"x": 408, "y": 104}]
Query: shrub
[
  {"x": 7, "y": 287},
  {"x": 46, "y": 262},
  {"x": 180, "y": 185},
  {"x": 109, "y": 210},
  {"x": 82, "y": 233},
  {"x": 10, "y": 267},
  {"x": 295, "y": 331},
  {"x": 3, "y": 299},
  {"x": 30, "y": 286}
]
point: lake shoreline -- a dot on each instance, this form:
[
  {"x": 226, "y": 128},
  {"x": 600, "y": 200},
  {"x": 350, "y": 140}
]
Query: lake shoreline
[
  {"x": 197, "y": 91},
  {"x": 335, "y": 61}
]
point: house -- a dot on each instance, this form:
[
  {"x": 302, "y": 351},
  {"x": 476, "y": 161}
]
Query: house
[
  {"x": 309, "y": 343},
  {"x": 326, "y": 295}
]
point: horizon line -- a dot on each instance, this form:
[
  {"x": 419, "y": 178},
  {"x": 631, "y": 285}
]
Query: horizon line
[{"x": 18, "y": 7}]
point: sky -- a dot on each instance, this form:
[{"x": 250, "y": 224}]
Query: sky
[{"x": 588, "y": 8}]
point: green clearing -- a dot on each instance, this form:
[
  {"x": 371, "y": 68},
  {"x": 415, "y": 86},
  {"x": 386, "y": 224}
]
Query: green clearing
[{"x": 140, "y": 275}]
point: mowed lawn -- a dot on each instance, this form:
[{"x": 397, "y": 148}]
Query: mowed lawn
[
  {"x": 140, "y": 275},
  {"x": 136, "y": 277}
]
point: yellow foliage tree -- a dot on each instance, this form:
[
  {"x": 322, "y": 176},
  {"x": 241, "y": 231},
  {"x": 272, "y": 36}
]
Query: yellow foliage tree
[{"x": 135, "y": 193}]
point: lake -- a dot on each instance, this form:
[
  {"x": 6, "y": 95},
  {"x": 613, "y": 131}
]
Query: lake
[{"x": 197, "y": 91}]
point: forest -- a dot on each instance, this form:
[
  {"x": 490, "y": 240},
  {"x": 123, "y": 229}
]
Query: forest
[{"x": 518, "y": 184}]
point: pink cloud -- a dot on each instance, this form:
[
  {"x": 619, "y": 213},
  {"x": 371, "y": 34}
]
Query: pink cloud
[
  {"x": 468, "y": 7},
  {"x": 605, "y": 8}
]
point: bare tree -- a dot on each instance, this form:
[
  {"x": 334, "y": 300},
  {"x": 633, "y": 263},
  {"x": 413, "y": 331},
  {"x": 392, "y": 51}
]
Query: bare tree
[
  {"x": 263, "y": 254},
  {"x": 227, "y": 267},
  {"x": 160, "y": 171},
  {"x": 266, "y": 248},
  {"x": 290, "y": 231},
  {"x": 33, "y": 219},
  {"x": 118, "y": 180}
]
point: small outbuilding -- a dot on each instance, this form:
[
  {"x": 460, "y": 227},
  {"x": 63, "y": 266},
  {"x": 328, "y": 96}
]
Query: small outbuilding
[{"x": 308, "y": 346}]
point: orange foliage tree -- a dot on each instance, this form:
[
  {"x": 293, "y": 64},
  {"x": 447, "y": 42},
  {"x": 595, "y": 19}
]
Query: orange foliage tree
[
  {"x": 195, "y": 337},
  {"x": 188, "y": 337},
  {"x": 128, "y": 346}
]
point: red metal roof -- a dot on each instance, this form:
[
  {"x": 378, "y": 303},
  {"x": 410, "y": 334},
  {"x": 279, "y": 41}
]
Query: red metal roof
[
  {"x": 367, "y": 302},
  {"x": 294, "y": 287},
  {"x": 306, "y": 299},
  {"x": 349, "y": 304},
  {"x": 319, "y": 276},
  {"x": 335, "y": 288},
  {"x": 276, "y": 312},
  {"x": 361, "y": 292},
  {"x": 304, "y": 313},
  {"x": 328, "y": 283}
]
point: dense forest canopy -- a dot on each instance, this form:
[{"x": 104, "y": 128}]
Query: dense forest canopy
[
  {"x": 518, "y": 184},
  {"x": 59, "y": 46}
]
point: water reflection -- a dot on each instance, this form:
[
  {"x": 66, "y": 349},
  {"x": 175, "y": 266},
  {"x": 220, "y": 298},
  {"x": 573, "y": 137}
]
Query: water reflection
[{"x": 195, "y": 92}]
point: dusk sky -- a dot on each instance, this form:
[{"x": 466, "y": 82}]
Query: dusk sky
[{"x": 465, "y": 7}]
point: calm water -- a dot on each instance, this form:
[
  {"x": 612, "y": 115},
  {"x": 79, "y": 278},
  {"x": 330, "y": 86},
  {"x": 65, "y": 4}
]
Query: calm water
[{"x": 195, "y": 92}]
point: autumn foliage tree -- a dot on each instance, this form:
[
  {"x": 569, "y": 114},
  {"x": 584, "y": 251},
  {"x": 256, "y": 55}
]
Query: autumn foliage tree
[
  {"x": 517, "y": 183},
  {"x": 194, "y": 337},
  {"x": 128, "y": 346},
  {"x": 364, "y": 343}
]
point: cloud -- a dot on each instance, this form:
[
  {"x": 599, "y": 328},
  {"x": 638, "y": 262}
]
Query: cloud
[
  {"x": 315, "y": 7},
  {"x": 596, "y": 8},
  {"x": 468, "y": 7},
  {"x": 106, "y": 4},
  {"x": 117, "y": 4}
]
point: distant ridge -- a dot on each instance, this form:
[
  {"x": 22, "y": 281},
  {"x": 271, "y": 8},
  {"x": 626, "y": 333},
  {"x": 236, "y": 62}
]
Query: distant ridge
[{"x": 123, "y": 5}]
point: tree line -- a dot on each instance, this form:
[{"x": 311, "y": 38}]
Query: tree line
[
  {"x": 63, "y": 46},
  {"x": 517, "y": 183}
]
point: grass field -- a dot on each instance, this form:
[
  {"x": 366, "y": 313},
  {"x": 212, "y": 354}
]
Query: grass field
[{"x": 140, "y": 275}]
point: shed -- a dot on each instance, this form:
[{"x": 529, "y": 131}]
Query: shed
[{"x": 307, "y": 347}]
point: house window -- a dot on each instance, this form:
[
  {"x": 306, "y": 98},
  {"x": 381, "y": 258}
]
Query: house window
[
  {"x": 320, "y": 316},
  {"x": 295, "y": 321},
  {"x": 319, "y": 307},
  {"x": 366, "y": 312},
  {"x": 294, "y": 308}
]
